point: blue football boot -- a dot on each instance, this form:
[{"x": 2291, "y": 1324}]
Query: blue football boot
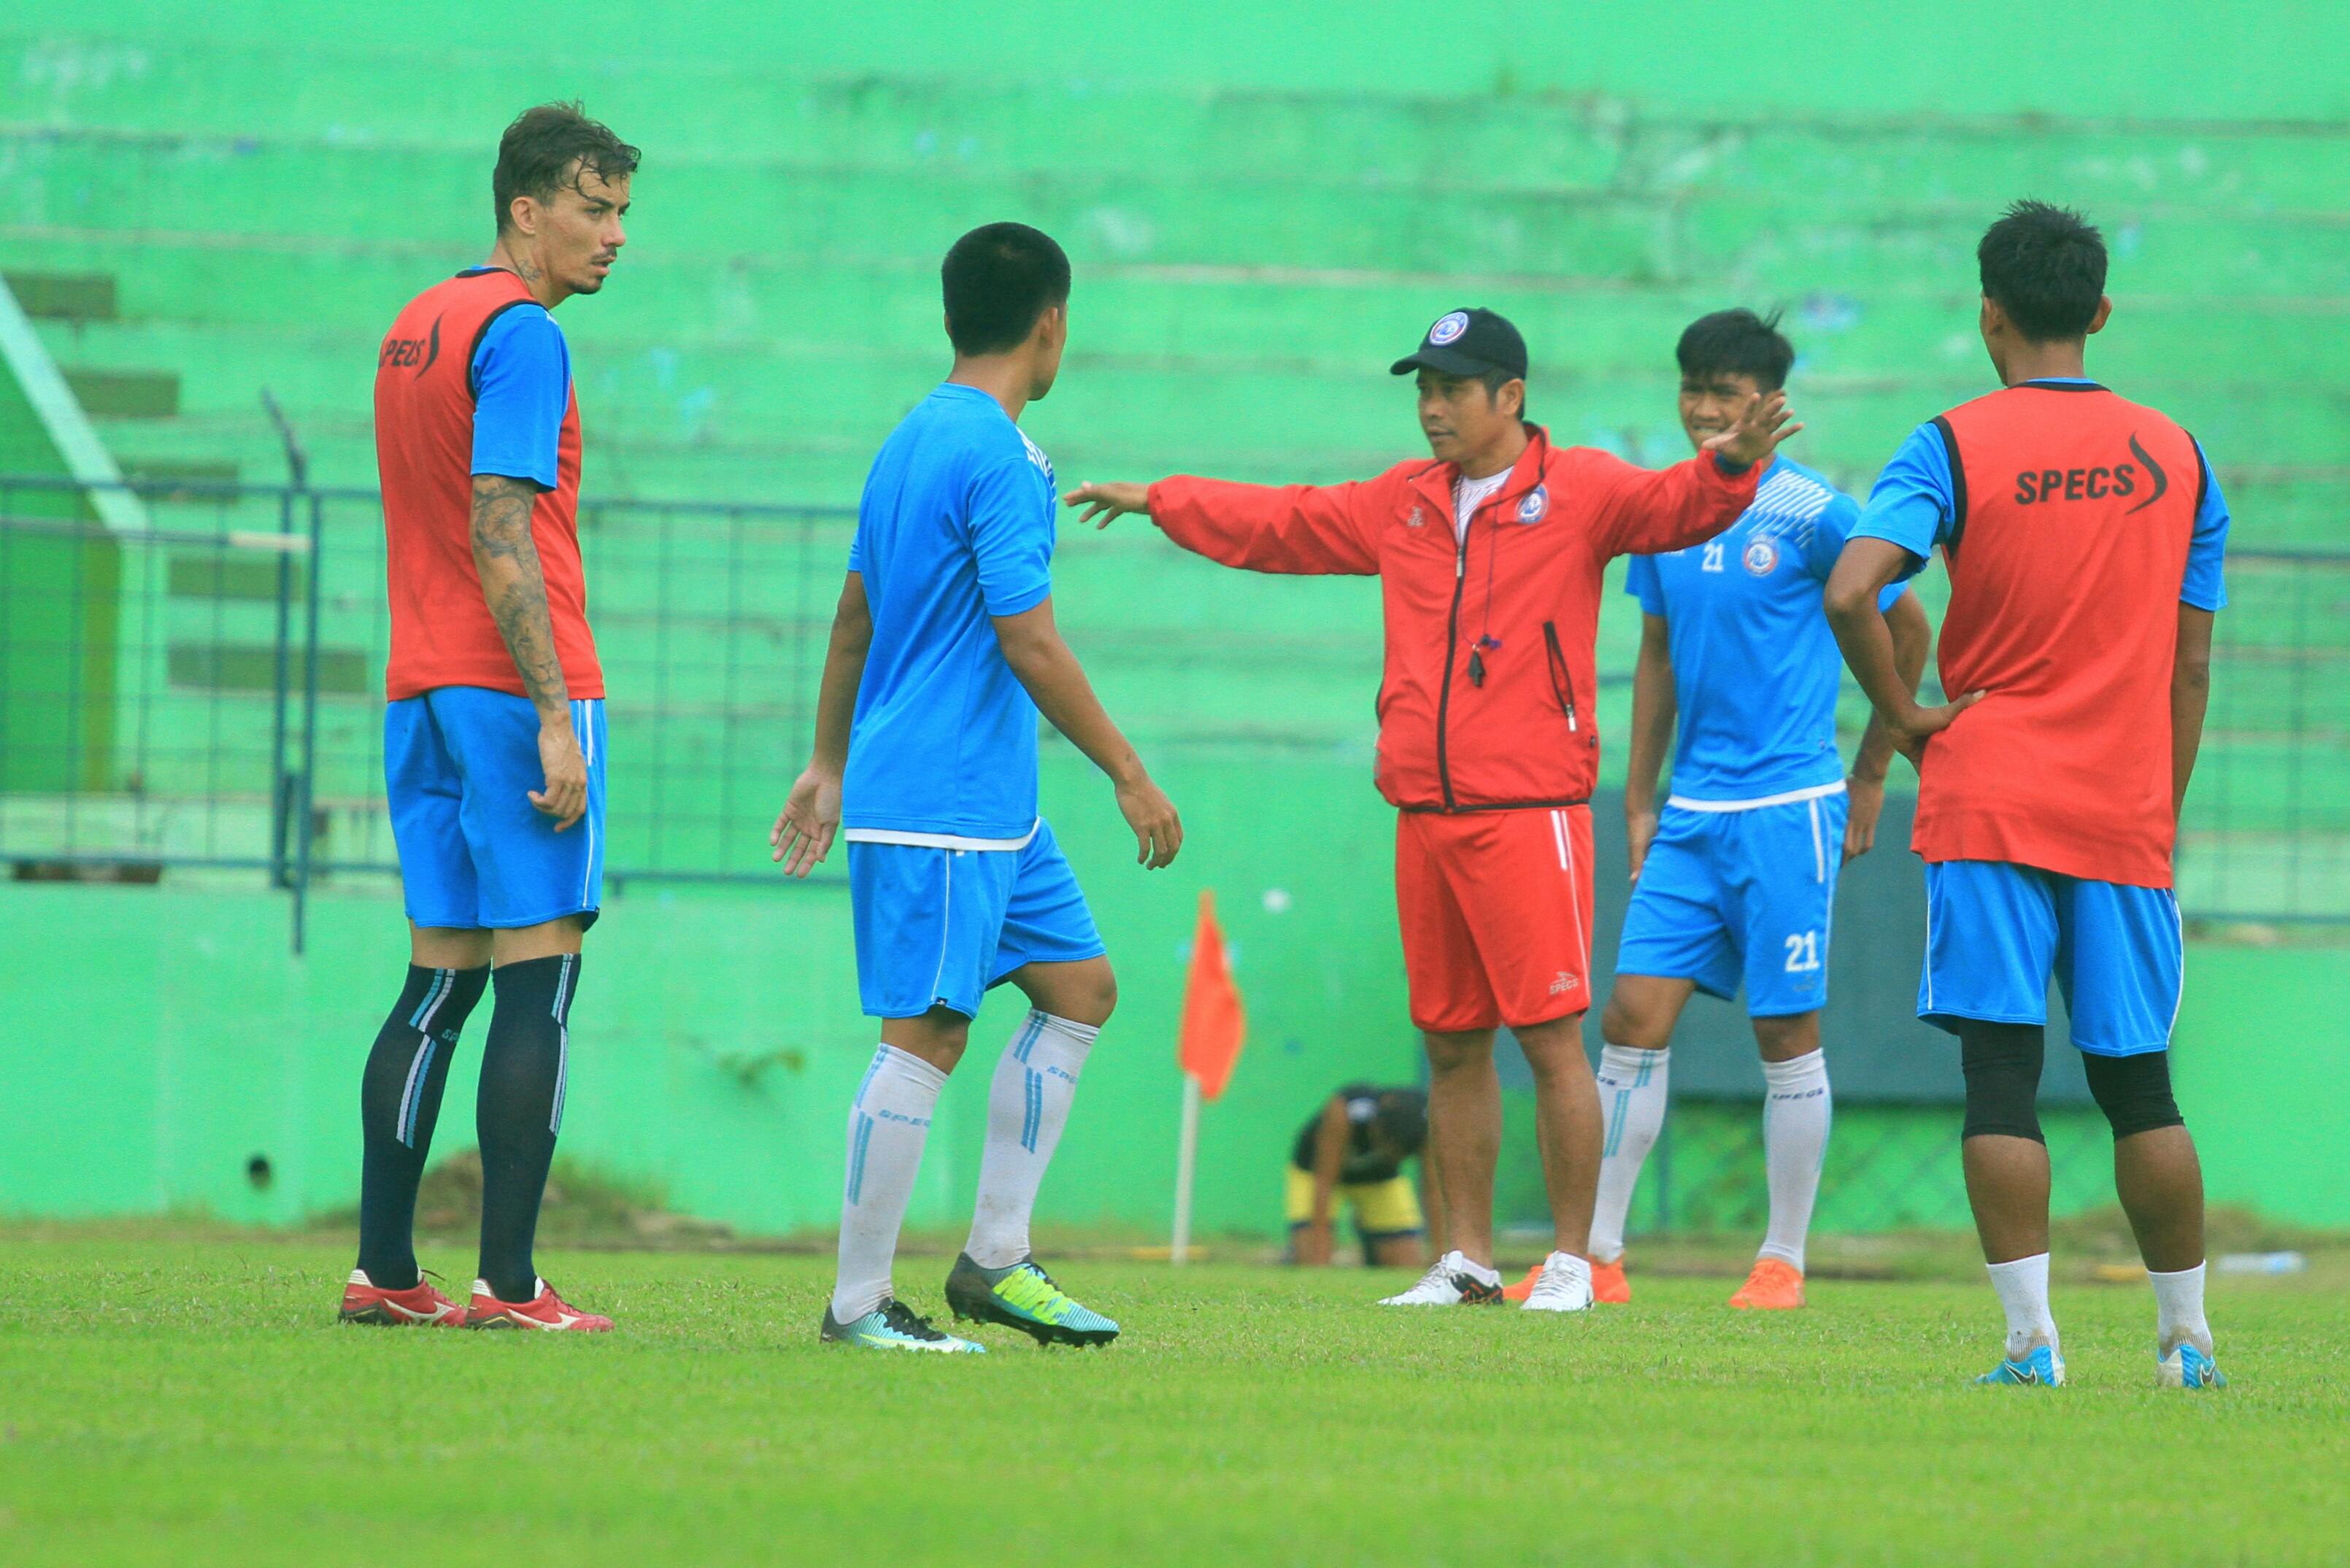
[
  {"x": 893, "y": 1326},
  {"x": 2187, "y": 1368},
  {"x": 2041, "y": 1367}
]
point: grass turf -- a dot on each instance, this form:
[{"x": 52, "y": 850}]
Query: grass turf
[{"x": 181, "y": 1403}]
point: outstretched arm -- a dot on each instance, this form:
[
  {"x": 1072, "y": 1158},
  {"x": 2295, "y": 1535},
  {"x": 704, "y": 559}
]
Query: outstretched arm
[
  {"x": 1905, "y": 620},
  {"x": 1032, "y": 647},
  {"x": 803, "y": 833},
  {"x": 1646, "y": 511},
  {"x": 505, "y": 559},
  {"x": 1299, "y": 528}
]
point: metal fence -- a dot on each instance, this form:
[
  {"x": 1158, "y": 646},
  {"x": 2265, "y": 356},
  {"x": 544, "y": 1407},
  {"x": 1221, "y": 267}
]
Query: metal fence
[{"x": 204, "y": 690}]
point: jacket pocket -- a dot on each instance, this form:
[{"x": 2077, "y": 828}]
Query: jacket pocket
[{"x": 1562, "y": 679}]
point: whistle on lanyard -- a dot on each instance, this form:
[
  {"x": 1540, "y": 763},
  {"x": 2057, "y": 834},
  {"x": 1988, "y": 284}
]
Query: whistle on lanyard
[{"x": 1477, "y": 651}]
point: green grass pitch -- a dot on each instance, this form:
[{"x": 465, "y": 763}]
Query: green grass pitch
[{"x": 173, "y": 1402}]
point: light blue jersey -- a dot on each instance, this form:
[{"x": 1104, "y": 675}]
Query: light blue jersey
[
  {"x": 1755, "y": 666},
  {"x": 956, "y": 525}
]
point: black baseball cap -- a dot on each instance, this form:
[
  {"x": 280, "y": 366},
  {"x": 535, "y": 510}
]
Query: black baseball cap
[{"x": 1468, "y": 343}]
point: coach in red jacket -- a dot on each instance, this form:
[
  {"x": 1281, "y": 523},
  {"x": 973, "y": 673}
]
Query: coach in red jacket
[{"x": 1490, "y": 558}]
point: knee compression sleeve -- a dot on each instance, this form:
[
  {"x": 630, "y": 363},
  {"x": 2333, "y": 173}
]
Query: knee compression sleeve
[
  {"x": 2002, "y": 1067},
  {"x": 2133, "y": 1091}
]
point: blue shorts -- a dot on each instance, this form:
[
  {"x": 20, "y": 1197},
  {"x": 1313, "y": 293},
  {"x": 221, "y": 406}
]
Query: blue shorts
[
  {"x": 459, "y": 765},
  {"x": 1727, "y": 898},
  {"x": 1994, "y": 933},
  {"x": 937, "y": 927}
]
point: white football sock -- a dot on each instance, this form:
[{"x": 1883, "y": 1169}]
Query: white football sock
[
  {"x": 1797, "y": 1109},
  {"x": 887, "y": 1124},
  {"x": 1027, "y": 1105},
  {"x": 2179, "y": 1310},
  {"x": 2022, "y": 1287},
  {"x": 1632, "y": 1106}
]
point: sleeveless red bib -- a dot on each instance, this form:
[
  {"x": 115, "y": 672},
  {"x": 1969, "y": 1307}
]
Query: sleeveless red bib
[
  {"x": 441, "y": 630},
  {"x": 2075, "y": 509}
]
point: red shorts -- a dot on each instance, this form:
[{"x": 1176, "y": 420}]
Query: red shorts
[{"x": 1496, "y": 913}]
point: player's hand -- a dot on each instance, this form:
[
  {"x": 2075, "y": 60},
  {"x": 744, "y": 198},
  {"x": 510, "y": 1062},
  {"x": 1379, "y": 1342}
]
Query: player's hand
[
  {"x": 565, "y": 798},
  {"x": 802, "y": 835},
  {"x": 1913, "y": 730},
  {"x": 1315, "y": 1245},
  {"x": 1108, "y": 501},
  {"x": 1639, "y": 831},
  {"x": 1762, "y": 426},
  {"x": 1866, "y": 799},
  {"x": 1158, "y": 831}
]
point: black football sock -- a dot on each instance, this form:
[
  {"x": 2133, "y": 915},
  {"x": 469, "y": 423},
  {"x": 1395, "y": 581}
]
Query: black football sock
[
  {"x": 519, "y": 1111},
  {"x": 400, "y": 1099}
]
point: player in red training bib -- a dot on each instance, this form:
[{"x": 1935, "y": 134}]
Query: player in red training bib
[
  {"x": 2083, "y": 536},
  {"x": 493, "y": 738}
]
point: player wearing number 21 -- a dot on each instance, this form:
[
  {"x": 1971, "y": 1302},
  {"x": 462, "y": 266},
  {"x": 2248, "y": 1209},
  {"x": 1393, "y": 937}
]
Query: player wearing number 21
[{"x": 1733, "y": 880}]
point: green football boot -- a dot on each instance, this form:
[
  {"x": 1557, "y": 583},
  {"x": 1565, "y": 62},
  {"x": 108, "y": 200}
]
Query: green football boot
[{"x": 1025, "y": 1297}]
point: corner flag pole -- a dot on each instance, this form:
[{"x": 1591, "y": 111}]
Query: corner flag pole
[{"x": 1187, "y": 1158}]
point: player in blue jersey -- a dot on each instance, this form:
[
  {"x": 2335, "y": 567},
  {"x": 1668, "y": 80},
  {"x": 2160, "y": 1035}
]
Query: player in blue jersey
[
  {"x": 1734, "y": 879},
  {"x": 943, "y": 653}
]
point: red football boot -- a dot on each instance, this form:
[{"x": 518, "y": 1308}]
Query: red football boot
[
  {"x": 364, "y": 1300},
  {"x": 545, "y": 1311}
]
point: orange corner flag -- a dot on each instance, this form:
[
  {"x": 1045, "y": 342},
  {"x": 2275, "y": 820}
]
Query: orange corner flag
[{"x": 1215, "y": 1022}]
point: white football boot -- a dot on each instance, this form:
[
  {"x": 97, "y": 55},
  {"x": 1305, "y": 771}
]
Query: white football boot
[{"x": 1565, "y": 1286}]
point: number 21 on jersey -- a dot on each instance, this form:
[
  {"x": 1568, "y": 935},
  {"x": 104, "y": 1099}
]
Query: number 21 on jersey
[{"x": 1803, "y": 952}]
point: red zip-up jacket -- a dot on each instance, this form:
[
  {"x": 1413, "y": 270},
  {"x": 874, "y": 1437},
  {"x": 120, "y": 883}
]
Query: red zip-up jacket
[{"x": 1526, "y": 577}]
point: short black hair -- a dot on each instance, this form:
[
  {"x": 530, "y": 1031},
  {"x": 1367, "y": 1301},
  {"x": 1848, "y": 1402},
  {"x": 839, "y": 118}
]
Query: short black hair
[
  {"x": 1497, "y": 379},
  {"x": 537, "y": 155},
  {"x": 998, "y": 280},
  {"x": 1737, "y": 343},
  {"x": 2045, "y": 266}
]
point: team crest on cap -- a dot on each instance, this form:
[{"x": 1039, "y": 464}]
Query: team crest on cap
[
  {"x": 1448, "y": 328},
  {"x": 1760, "y": 557},
  {"x": 1535, "y": 504}
]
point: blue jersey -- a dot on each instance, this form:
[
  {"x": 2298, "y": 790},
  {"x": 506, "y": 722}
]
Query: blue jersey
[
  {"x": 521, "y": 377},
  {"x": 1755, "y": 666},
  {"x": 956, "y": 525}
]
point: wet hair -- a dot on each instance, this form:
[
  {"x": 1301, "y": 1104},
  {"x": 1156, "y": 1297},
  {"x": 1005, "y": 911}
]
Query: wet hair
[
  {"x": 1737, "y": 343},
  {"x": 998, "y": 280},
  {"x": 548, "y": 147},
  {"x": 2045, "y": 266}
]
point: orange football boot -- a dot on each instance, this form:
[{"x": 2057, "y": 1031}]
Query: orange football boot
[
  {"x": 1608, "y": 1283},
  {"x": 1776, "y": 1285},
  {"x": 1524, "y": 1287}
]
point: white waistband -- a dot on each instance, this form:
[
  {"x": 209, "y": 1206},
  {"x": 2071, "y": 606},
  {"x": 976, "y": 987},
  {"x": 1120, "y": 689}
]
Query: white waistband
[
  {"x": 1789, "y": 798},
  {"x": 938, "y": 840}
]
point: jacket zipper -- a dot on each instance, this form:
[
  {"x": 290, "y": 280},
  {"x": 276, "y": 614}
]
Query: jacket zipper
[
  {"x": 1562, "y": 679},
  {"x": 1451, "y": 647}
]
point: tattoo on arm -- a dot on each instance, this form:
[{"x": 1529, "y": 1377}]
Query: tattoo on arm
[{"x": 506, "y": 558}]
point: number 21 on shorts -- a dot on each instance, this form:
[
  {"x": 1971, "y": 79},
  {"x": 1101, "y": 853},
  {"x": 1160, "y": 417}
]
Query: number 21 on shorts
[{"x": 1803, "y": 952}]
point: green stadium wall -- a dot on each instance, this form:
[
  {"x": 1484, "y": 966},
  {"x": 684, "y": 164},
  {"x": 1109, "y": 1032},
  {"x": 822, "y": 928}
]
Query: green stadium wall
[
  {"x": 1261, "y": 209},
  {"x": 162, "y": 1037}
]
